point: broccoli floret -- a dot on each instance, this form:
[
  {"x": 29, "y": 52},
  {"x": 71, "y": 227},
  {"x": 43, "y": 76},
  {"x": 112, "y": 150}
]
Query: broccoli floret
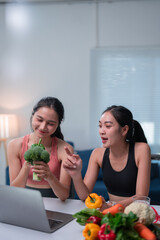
[
  {"x": 28, "y": 156},
  {"x": 45, "y": 156},
  {"x": 37, "y": 152}
]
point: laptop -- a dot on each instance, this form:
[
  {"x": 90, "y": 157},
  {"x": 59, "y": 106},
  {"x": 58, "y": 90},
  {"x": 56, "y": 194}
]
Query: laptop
[{"x": 25, "y": 208}]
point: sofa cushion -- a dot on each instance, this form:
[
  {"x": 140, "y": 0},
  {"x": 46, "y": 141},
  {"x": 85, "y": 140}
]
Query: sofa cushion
[
  {"x": 101, "y": 189},
  {"x": 7, "y": 176},
  {"x": 154, "y": 192},
  {"x": 100, "y": 176},
  {"x": 84, "y": 155},
  {"x": 154, "y": 170}
]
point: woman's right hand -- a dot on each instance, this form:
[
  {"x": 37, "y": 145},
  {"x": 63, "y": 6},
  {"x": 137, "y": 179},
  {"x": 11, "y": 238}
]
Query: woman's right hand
[
  {"x": 72, "y": 164},
  {"x": 27, "y": 165}
]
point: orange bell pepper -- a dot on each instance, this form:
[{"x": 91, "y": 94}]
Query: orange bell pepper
[
  {"x": 90, "y": 231},
  {"x": 93, "y": 201}
]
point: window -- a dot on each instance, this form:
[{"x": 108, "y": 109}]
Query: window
[{"x": 128, "y": 77}]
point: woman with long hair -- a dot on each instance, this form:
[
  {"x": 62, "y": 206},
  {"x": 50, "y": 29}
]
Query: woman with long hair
[
  {"x": 46, "y": 119},
  {"x": 125, "y": 159}
]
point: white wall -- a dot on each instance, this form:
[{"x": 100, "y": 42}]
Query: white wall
[
  {"x": 134, "y": 23},
  {"x": 50, "y": 55},
  {"x": 50, "y": 58}
]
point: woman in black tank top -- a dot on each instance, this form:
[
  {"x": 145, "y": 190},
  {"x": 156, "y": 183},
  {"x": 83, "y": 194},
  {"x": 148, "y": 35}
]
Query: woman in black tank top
[{"x": 125, "y": 159}]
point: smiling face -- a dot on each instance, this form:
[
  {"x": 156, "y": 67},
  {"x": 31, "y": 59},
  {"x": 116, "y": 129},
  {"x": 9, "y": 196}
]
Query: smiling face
[
  {"x": 44, "y": 122},
  {"x": 110, "y": 131}
]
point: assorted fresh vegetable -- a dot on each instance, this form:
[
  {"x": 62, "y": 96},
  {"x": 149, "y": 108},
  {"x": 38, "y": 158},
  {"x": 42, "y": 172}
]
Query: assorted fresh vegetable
[
  {"x": 114, "y": 209},
  {"x": 144, "y": 212},
  {"x": 117, "y": 223},
  {"x": 105, "y": 233},
  {"x": 94, "y": 219},
  {"x": 90, "y": 231},
  {"x": 155, "y": 229},
  {"x": 37, "y": 152},
  {"x": 93, "y": 201},
  {"x": 144, "y": 231},
  {"x": 83, "y": 215}
]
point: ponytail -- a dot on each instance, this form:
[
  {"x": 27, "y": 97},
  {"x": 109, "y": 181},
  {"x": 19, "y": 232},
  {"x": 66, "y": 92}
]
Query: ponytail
[
  {"x": 138, "y": 133},
  {"x": 124, "y": 117}
]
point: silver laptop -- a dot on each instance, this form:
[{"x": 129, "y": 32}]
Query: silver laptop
[{"x": 25, "y": 208}]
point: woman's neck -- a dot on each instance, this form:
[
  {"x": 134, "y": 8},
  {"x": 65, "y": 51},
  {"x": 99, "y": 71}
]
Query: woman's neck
[
  {"x": 120, "y": 150},
  {"x": 47, "y": 142}
]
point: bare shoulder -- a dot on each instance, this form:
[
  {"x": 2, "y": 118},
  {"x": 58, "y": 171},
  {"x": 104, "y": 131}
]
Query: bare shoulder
[
  {"x": 142, "y": 152},
  {"x": 97, "y": 155},
  {"x": 98, "y": 151},
  {"x": 14, "y": 148},
  {"x": 15, "y": 143},
  {"x": 142, "y": 147},
  {"x": 61, "y": 150},
  {"x": 62, "y": 143}
]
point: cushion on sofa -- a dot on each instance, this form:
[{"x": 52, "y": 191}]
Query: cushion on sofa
[
  {"x": 154, "y": 170},
  {"x": 101, "y": 189},
  {"x": 154, "y": 192},
  {"x": 84, "y": 155}
]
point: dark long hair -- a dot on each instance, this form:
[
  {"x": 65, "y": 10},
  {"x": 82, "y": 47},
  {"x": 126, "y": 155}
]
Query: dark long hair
[
  {"x": 124, "y": 117},
  {"x": 57, "y": 106}
]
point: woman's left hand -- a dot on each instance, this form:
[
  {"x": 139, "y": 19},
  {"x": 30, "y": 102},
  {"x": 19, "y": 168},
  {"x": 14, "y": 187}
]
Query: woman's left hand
[
  {"x": 42, "y": 170},
  {"x": 105, "y": 204}
]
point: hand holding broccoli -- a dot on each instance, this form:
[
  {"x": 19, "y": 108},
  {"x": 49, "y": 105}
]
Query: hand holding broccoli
[{"x": 37, "y": 152}]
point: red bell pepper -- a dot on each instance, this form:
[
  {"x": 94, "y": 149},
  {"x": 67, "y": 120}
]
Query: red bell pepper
[
  {"x": 94, "y": 219},
  {"x": 106, "y": 233}
]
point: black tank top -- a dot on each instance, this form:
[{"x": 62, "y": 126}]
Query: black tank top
[{"x": 122, "y": 183}]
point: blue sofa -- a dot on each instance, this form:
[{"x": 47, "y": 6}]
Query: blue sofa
[{"x": 100, "y": 188}]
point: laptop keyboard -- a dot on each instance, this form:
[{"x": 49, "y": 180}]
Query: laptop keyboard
[{"x": 54, "y": 223}]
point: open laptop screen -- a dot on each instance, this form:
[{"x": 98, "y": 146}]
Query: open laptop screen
[{"x": 25, "y": 208}]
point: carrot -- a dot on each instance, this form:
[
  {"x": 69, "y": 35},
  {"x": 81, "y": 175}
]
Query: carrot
[
  {"x": 114, "y": 209},
  {"x": 144, "y": 232}
]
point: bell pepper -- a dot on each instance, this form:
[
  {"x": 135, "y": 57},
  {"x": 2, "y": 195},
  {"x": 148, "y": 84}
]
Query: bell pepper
[
  {"x": 84, "y": 214},
  {"x": 90, "y": 231},
  {"x": 93, "y": 201},
  {"x": 106, "y": 233},
  {"x": 94, "y": 219}
]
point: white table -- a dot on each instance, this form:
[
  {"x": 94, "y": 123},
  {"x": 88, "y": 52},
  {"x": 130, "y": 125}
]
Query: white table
[{"x": 71, "y": 231}]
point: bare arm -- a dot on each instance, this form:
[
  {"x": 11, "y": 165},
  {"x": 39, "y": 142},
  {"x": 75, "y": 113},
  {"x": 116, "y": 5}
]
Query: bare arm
[
  {"x": 18, "y": 174},
  {"x": 143, "y": 156},
  {"x": 73, "y": 166}
]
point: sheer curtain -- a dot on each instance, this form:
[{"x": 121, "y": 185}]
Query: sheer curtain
[{"x": 128, "y": 77}]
